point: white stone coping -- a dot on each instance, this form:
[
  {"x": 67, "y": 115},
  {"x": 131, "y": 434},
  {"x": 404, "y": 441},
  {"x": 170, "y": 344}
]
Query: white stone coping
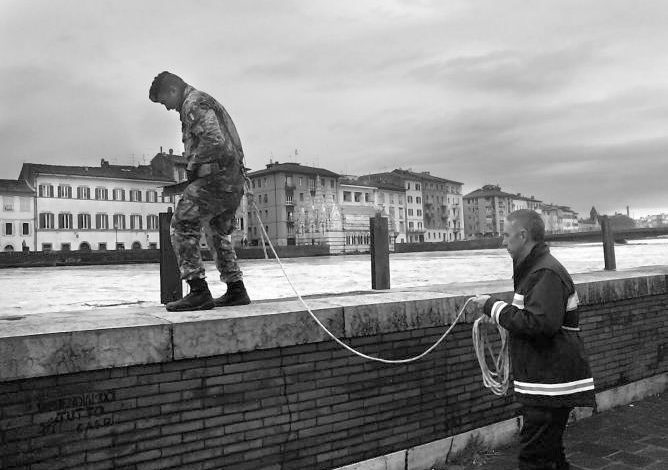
[{"x": 60, "y": 343}]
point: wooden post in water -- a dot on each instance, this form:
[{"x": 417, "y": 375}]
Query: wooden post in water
[
  {"x": 380, "y": 252},
  {"x": 170, "y": 277},
  {"x": 608, "y": 244}
]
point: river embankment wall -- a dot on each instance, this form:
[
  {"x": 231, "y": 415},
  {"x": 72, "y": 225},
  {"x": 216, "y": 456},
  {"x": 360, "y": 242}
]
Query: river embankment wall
[
  {"x": 262, "y": 387},
  {"x": 30, "y": 259}
]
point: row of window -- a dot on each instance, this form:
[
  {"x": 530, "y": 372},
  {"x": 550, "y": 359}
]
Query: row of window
[
  {"x": 100, "y": 193},
  {"x": 85, "y": 246},
  {"x": 290, "y": 181},
  {"x": 8, "y": 204},
  {"x": 8, "y": 228},
  {"x": 358, "y": 239},
  {"x": 47, "y": 220}
]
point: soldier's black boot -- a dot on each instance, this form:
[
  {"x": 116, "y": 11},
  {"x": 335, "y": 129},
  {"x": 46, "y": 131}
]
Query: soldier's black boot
[
  {"x": 199, "y": 298},
  {"x": 236, "y": 295}
]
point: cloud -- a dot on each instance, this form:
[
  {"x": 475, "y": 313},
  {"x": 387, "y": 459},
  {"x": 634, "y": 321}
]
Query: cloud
[{"x": 520, "y": 72}]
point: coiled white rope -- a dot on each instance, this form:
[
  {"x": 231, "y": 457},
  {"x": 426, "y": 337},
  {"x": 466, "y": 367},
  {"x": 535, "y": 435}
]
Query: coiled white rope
[
  {"x": 496, "y": 379},
  {"x": 501, "y": 362}
]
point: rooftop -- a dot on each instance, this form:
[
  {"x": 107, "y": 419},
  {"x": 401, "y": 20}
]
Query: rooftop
[
  {"x": 424, "y": 175},
  {"x": 105, "y": 170},
  {"x": 15, "y": 186},
  {"x": 297, "y": 168}
]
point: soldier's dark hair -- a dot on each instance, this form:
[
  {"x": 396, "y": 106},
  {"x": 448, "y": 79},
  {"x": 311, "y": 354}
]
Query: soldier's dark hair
[
  {"x": 163, "y": 81},
  {"x": 531, "y": 221}
]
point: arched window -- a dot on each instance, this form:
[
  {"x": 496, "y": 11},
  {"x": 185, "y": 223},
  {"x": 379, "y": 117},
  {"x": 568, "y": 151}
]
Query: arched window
[
  {"x": 84, "y": 246},
  {"x": 9, "y": 248},
  {"x": 136, "y": 246}
]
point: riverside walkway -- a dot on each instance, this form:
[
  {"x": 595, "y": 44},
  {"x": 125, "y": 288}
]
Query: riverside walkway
[{"x": 628, "y": 437}]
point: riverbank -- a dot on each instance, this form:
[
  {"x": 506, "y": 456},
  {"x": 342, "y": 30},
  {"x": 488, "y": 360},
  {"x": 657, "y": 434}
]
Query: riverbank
[{"x": 34, "y": 259}]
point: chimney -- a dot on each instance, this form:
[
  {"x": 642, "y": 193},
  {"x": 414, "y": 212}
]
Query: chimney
[
  {"x": 161, "y": 149},
  {"x": 104, "y": 163},
  {"x": 171, "y": 151},
  {"x": 627, "y": 212}
]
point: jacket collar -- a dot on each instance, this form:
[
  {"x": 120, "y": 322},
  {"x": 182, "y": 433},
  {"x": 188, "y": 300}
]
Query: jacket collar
[
  {"x": 186, "y": 91},
  {"x": 521, "y": 268}
]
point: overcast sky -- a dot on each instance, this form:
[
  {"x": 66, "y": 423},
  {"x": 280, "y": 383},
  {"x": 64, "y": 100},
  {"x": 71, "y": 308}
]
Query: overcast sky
[{"x": 564, "y": 100}]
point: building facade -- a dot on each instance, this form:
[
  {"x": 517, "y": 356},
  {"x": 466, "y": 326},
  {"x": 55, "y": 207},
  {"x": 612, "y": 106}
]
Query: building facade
[
  {"x": 111, "y": 207},
  {"x": 17, "y": 216},
  {"x": 297, "y": 205},
  {"x": 390, "y": 201},
  {"x": 357, "y": 202},
  {"x": 559, "y": 219},
  {"x": 433, "y": 205},
  {"x": 485, "y": 210}
]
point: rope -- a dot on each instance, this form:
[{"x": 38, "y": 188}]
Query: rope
[
  {"x": 498, "y": 379},
  {"x": 480, "y": 341},
  {"x": 331, "y": 335}
]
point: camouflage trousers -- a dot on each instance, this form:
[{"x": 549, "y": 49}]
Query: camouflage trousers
[{"x": 206, "y": 204}]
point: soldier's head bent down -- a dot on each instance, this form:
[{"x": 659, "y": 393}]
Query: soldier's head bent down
[{"x": 167, "y": 89}]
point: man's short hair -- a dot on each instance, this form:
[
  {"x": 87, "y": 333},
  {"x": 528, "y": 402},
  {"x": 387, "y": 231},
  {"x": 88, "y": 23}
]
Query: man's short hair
[
  {"x": 163, "y": 81},
  {"x": 531, "y": 221}
]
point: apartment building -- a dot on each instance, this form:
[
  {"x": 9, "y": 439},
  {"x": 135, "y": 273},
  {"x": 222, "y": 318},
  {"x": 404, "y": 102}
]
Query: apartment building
[
  {"x": 441, "y": 201},
  {"x": 559, "y": 219},
  {"x": 298, "y": 206},
  {"x": 433, "y": 205},
  {"x": 485, "y": 210},
  {"x": 390, "y": 201},
  {"x": 110, "y": 207},
  {"x": 16, "y": 216}
]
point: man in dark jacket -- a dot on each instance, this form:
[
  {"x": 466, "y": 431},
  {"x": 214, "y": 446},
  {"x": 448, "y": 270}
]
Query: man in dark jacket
[
  {"x": 216, "y": 183},
  {"x": 550, "y": 369}
]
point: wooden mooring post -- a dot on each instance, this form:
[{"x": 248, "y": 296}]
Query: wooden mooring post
[
  {"x": 170, "y": 277},
  {"x": 608, "y": 244},
  {"x": 380, "y": 252}
]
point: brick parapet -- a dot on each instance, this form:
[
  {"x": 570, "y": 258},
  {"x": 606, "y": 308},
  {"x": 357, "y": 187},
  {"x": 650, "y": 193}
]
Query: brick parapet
[{"x": 300, "y": 401}]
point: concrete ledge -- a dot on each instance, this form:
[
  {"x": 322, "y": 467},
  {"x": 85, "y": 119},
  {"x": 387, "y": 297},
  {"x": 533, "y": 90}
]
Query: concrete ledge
[
  {"x": 61, "y": 343},
  {"x": 494, "y": 436},
  {"x": 45, "y": 344}
]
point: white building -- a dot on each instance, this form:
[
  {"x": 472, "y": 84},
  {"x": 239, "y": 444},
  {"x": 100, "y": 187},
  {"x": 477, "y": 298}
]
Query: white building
[
  {"x": 358, "y": 204},
  {"x": 110, "y": 207},
  {"x": 16, "y": 216}
]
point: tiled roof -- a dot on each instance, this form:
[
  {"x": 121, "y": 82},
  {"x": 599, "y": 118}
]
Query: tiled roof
[
  {"x": 489, "y": 193},
  {"x": 142, "y": 172},
  {"x": 383, "y": 185},
  {"x": 15, "y": 186},
  {"x": 425, "y": 176},
  {"x": 295, "y": 168}
]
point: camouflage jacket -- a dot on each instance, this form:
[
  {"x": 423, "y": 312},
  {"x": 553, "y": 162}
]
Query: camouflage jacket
[{"x": 209, "y": 136}]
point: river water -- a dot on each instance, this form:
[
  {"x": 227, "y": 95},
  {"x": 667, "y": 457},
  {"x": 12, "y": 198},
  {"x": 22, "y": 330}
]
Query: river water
[{"x": 56, "y": 289}]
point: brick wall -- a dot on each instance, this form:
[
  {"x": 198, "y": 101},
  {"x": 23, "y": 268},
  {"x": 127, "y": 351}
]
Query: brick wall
[{"x": 310, "y": 406}]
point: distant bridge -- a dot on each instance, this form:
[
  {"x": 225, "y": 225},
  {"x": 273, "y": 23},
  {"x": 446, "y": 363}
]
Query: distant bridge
[{"x": 595, "y": 236}]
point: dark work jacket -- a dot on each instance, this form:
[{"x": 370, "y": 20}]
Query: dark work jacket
[{"x": 547, "y": 355}]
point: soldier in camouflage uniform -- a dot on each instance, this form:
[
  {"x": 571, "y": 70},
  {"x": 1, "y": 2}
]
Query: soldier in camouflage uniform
[{"x": 215, "y": 169}]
